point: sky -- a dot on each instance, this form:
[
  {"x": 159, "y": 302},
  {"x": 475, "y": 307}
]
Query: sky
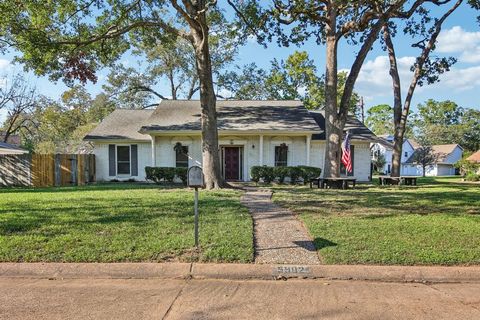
[{"x": 460, "y": 38}]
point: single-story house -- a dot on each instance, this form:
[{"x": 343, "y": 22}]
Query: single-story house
[
  {"x": 446, "y": 157},
  {"x": 475, "y": 158},
  {"x": 10, "y": 149},
  {"x": 383, "y": 146},
  {"x": 251, "y": 133}
]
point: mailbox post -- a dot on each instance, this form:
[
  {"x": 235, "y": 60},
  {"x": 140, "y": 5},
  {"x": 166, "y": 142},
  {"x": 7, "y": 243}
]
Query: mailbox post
[{"x": 195, "y": 180}]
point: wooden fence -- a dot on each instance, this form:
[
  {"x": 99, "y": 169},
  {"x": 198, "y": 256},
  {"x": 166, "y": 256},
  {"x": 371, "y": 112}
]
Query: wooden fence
[{"x": 47, "y": 170}]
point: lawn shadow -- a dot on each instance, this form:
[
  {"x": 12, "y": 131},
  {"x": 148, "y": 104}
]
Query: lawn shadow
[{"x": 321, "y": 243}]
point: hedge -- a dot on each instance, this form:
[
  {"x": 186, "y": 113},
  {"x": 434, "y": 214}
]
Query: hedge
[
  {"x": 268, "y": 174},
  {"x": 166, "y": 174}
]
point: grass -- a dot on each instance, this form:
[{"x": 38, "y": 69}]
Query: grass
[
  {"x": 120, "y": 223},
  {"x": 436, "y": 223}
]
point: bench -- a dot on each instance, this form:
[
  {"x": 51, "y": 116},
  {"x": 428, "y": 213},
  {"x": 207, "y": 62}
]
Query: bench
[
  {"x": 337, "y": 183},
  {"x": 402, "y": 180}
]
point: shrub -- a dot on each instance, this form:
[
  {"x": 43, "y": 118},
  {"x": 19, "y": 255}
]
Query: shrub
[
  {"x": 309, "y": 173},
  {"x": 294, "y": 174},
  {"x": 472, "y": 177},
  {"x": 264, "y": 173},
  {"x": 181, "y": 173},
  {"x": 281, "y": 173},
  {"x": 165, "y": 174},
  {"x": 255, "y": 173}
]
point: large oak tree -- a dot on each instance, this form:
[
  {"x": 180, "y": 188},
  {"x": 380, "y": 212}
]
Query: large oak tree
[
  {"x": 72, "y": 39},
  {"x": 329, "y": 22}
]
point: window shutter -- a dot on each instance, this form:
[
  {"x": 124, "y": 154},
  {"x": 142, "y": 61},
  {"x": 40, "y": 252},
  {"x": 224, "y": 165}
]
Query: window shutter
[
  {"x": 134, "y": 159},
  {"x": 111, "y": 160}
]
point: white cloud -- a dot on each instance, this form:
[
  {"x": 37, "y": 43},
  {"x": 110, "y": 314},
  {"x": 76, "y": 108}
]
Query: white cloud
[
  {"x": 374, "y": 79},
  {"x": 4, "y": 65},
  {"x": 458, "y": 40},
  {"x": 460, "y": 79}
]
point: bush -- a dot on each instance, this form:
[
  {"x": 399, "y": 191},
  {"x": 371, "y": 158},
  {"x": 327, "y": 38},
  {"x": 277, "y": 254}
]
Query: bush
[
  {"x": 281, "y": 173},
  {"x": 165, "y": 174},
  {"x": 472, "y": 177},
  {"x": 309, "y": 173},
  {"x": 181, "y": 173},
  {"x": 294, "y": 174},
  {"x": 256, "y": 173},
  {"x": 269, "y": 174},
  {"x": 264, "y": 173}
]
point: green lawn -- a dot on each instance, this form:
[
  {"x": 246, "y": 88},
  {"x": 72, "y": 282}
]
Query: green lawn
[
  {"x": 435, "y": 223},
  {"x": 121, "y": 222}
]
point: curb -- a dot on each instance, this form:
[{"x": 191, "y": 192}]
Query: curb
[{"x": 201, "y": 271}]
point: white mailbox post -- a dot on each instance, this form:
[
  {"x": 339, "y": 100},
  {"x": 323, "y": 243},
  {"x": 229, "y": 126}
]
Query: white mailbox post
[{"x": 195, "y": 180}]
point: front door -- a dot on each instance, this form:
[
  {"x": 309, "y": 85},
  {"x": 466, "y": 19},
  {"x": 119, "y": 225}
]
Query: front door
[{"x": 232, "y": 163}]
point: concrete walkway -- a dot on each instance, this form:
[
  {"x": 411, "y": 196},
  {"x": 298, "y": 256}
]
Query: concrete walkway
[{"x": 279, "y": 237}]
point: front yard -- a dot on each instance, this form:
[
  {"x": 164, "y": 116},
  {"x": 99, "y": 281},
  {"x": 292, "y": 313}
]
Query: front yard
[
  {"x": 435, "y": 223},
  {"x": 121, "y": 222}
]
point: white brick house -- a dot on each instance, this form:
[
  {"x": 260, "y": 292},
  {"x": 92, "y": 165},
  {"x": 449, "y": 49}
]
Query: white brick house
[{"x": 250, "y": 134}]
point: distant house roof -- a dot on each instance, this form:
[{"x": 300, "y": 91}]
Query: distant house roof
[
  {"x": 357, "y": 129},
  {"x": 232, "y": 115},
  {"x": 475, "y": 157},
  {"x": 13, "y": 139},
  {"x": 121, "y": 124},
  {"x": 414, "y": 143},
  {"x": 236, "y": 115},
  {"x": 442, "y": 151},
  {"x": 385, "y": 141},
  {"x": 7, "y": 148}
]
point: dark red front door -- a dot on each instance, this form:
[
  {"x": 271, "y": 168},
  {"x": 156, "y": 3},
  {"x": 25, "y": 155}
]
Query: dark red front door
[{"x": 232, "y": 163}]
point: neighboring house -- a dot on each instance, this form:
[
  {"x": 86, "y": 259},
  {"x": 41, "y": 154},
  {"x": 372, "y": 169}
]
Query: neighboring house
[
  {"x": 7, "y": 148},
  {"x": 383, "y": 146},
  {"x": 447, "y": 156},
  {"x": 475, "y": 158},
  {"x": 13, "y": 139},
  {"x": 251, "y": 133}
]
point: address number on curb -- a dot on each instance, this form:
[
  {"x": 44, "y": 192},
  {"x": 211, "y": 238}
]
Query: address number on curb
[{"x": 292, "y": 270}]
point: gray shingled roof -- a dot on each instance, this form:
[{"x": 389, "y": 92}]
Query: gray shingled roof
[
  {"x": 233, "y": 115},
  {"x": 121, "y": 124},
  {"x": 358, "y": 131},
  {"x": 441, "y": 151},
  {"x": 4, "y": 145}
]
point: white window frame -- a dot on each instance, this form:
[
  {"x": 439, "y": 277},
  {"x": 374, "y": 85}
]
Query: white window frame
[
  {"x": 188, "y": 156},
  {"x": 129, "y": 160}
]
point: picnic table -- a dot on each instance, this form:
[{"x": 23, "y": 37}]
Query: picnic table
[
  {"x": 338, "y": 183},
  {"x": 405, "y": 180}
]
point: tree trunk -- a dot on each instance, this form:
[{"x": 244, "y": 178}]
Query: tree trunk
[
  {"x": 333, "y": 127},
  {"x": 210, "y": 154}
]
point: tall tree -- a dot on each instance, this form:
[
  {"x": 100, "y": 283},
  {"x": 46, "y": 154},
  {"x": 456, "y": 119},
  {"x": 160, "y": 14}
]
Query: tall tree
[
  {"x": 380, "y": 119},
  {"x": 136, "y": 86},
  {"x": 295, "y": 78},
  {"x": 71, "y": 39},
  {"x": 444, "y": 122},
  {"x": 425, "y": 157},
  {"x": 330, "y": 22},
  {"x": 425, "y": 69},
  {"x": 18, "y": 99}
]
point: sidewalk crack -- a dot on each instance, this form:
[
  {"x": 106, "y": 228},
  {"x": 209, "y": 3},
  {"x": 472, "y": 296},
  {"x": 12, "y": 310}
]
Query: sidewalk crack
[{"x": 175, "y": 300}]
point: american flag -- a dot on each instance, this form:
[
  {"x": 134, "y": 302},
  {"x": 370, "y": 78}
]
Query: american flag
[{"x": 346, "y": 156}]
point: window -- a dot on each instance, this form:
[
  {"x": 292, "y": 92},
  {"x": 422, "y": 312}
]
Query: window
[
  {"x": 281, "y": 155},
  {"x": 181, "y": 160},
  {"x": 406, "y": 154},
  {"x": 123, "y": 159}
]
